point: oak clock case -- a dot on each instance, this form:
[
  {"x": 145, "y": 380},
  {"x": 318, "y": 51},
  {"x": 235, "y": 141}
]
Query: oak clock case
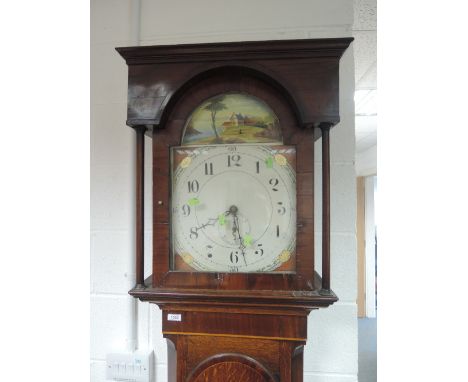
[{"x": 233, "y": 127}]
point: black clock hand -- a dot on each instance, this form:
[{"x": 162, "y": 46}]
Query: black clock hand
[
  {"x": 236, "y": 228},
  {"x": 211, "y": 221}
]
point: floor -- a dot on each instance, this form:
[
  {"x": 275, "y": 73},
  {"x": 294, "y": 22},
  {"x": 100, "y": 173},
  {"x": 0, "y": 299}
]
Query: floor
[{"x": 367, "y": 334}]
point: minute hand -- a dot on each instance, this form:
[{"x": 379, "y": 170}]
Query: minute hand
[{"x": 241, "y": 241}]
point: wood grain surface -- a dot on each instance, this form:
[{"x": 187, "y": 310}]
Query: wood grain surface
[{"x": 305, "y": 71}]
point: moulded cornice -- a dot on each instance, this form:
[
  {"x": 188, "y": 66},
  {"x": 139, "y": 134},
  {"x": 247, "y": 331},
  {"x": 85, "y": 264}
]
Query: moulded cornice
[{"x": 246, "y": 50}]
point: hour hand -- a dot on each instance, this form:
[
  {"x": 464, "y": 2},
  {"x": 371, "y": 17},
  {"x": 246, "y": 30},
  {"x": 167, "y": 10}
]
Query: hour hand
[{"x": 211, "y": 221}]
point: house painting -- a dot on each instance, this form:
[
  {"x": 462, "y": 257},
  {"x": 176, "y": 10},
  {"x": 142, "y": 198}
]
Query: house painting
[{"x": 232, "y": 118}]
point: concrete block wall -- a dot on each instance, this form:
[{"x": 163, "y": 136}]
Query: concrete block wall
[{"x": 119, "y": 323}]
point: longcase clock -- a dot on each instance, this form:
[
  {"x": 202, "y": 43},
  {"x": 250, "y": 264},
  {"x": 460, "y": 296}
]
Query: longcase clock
[{"x": 233, "y": 127}]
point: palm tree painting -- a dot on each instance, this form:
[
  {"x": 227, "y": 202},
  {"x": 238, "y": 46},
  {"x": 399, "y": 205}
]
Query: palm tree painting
[{"x": 232, "y": 118}]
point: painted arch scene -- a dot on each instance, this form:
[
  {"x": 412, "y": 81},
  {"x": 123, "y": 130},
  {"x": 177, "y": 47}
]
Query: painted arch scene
[{"x": 232, "y": 118}]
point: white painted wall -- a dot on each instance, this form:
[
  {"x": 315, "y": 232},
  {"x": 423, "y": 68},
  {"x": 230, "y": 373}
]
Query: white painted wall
[
  {"x": 366, "y": 162},
  {"x": 118, "y": 322},
  {"x": 370, "y": 189}
]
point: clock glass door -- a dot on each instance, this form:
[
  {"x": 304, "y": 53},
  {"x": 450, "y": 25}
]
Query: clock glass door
[{"x": 233, "y": 190}]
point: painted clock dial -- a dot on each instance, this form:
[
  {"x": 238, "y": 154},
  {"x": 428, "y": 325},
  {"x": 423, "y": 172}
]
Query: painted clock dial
[{"x": 234, "y": 208}]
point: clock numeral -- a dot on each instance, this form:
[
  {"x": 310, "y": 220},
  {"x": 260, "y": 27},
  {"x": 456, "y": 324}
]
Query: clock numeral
[
  {"x": 232, "y": 148},
  {"x": 281, "y": 209},
  {"x": 208, "y": 168},
  {"x": 193, "y": 186},
  {"x": 233, "y": 269},
  {"x": 234, "y": 257},
  {"x": 258, "y": 167},
  {"x": 259, "y": 250},
  {"x": 277, "y": 231},
  {"x": 186, "y": 210},
  {"x": 193, "y": 233},
  {"x": 273, "y": 183},
  {"x": 233, "y": 160}
]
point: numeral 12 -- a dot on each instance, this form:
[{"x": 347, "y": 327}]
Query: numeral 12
[{"x": 233, "y": 160}]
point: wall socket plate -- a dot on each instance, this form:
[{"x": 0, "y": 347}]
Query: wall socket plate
[{"x": 130, "y": 367}]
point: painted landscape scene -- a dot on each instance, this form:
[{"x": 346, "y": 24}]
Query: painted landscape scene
[{"x": 232, "y": 118}]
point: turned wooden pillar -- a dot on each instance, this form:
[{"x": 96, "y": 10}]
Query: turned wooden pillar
[
  {"x": 325, "y": 127},
  {"x": 140, "y": 206}
]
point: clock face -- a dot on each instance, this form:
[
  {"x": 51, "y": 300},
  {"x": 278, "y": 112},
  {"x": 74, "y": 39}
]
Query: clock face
[{"x": 234, "y": 208}]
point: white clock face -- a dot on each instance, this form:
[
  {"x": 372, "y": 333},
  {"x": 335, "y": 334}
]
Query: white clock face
[{"x": 234, "y": 208}]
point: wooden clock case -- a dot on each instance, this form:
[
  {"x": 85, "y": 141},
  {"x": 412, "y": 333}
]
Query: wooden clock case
[{"x": 235, "y": 326}]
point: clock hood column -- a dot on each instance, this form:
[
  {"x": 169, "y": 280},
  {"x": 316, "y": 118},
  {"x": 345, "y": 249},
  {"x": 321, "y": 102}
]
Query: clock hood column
[{"x": 140, "y": 207}]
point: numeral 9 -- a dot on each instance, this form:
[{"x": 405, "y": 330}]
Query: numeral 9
[{"x": 186, "y": 210}]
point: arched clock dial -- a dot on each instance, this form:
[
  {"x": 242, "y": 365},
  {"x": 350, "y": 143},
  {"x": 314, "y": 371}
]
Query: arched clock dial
[{"x": 234, "y": 208}]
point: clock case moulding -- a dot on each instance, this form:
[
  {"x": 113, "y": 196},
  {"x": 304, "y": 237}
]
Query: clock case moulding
[{"x": 299, "y": 80}]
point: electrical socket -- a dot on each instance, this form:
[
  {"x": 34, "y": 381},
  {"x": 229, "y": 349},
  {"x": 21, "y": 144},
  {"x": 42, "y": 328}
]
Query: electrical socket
[{"x": 130, "y": 367}]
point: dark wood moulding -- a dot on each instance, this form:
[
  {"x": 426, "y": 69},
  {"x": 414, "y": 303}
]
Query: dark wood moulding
[
  {"x": 304, "y": 71},
  {"x": 290, "y": 299}
]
